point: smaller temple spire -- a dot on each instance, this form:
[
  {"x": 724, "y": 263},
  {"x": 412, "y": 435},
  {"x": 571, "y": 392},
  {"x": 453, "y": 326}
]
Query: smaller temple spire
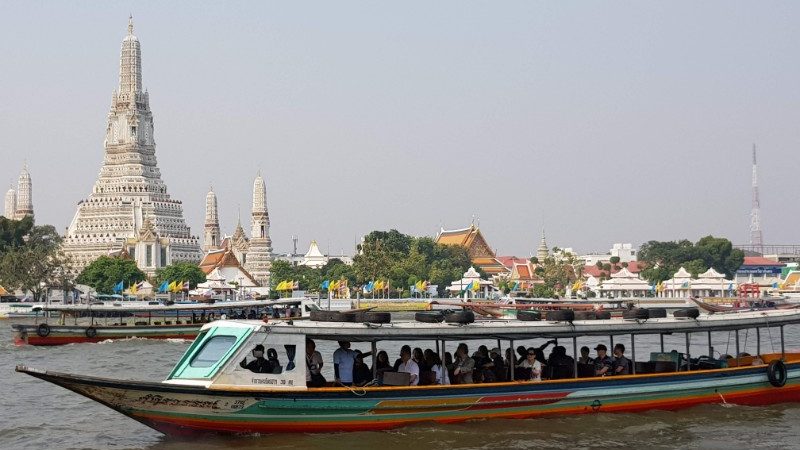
[
  {"x": 130, "y": 24},
  {"x": 542, "y": 252}
]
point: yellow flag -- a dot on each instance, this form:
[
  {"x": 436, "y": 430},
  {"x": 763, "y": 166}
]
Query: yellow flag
[{"x": 171, "y": 287}]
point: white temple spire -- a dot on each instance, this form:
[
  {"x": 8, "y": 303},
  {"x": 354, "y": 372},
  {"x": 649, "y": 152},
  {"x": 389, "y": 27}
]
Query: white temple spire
[
  {"x": 24, "y": 194},
  {"x": 259, "y": 257},
  {"x": 211, "y": 238}
]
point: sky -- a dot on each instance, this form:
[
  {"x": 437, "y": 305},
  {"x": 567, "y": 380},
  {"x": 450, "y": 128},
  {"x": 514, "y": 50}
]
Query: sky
[{"x": 600, "y": 121}]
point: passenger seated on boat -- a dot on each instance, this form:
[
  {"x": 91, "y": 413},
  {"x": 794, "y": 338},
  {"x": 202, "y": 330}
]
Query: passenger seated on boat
[
  {"x": 408, "y": 365},
  {"x": 314, "y": 364},
  {"x": 252, "y": 314},
  {"x": 382, "y": 363},
  {"x": 419, "y": 357},
  {"x": 272, "y": 357},
  {"x": 561, "y": 365},
  {"x": 585, "y": 358},
  {"x": 496, "y": 365},
  {"x": 464, "y": 365},
  {"x": 440, "y": 375},
  {"x": 361, "y": 373},
  {"x": 449, "y": 365},
  {"x": 259, "y": 364},
  {"x": 532, "y": 365},
  {"x": 522, "y": 354},
  {"x": 602, "y": 363},
  {"x": 621, "y": 364}
]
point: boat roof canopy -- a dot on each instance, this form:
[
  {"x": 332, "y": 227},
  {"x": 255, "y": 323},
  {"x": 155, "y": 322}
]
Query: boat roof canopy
[
  {"x": 122, "y": 307},
  {"x": 516, "y": 329}
]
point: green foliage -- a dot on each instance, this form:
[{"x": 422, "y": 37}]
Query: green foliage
[
  {"x": 404, "y": 260},
  {"x": 30, "y": 257},
  {"x": 558, "y": 272},
  {"x": 614, "y": 260},
  {"x": 105, "y": 272},
  {"x": 543, "y": 291},
  {"x": 663, "y": 259},
  {"x": 181, "y": 271}
]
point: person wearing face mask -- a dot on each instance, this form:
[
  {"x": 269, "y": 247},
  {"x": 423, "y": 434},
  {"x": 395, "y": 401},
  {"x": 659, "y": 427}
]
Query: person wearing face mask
[{"x": 259, "y": 364}]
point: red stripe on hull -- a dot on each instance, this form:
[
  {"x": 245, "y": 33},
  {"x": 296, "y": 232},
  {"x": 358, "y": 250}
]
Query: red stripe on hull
[
  {"x": 186, "y": 426},
  {"x": 64, "y": 340}
]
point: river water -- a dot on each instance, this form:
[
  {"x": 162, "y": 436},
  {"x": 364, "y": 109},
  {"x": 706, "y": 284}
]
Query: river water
[{"x": 36, "y": 415}]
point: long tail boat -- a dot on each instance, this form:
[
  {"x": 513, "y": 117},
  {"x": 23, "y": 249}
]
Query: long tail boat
[
  {"x": 97, "y": 323},
  {"x": 210, "y": 390}
]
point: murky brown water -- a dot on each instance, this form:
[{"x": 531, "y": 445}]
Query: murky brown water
[{"x": 36, "y": 415}]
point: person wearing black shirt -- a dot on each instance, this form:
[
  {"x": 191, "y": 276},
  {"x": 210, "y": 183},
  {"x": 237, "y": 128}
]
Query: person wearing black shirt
[{"x": 259, "y": 364}]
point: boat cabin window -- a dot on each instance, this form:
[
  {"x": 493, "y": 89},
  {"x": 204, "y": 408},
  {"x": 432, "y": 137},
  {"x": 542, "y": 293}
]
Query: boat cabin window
[{"x": 213, "y": 349}]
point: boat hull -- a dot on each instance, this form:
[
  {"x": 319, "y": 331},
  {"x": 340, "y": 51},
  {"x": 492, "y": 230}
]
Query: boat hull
[
  {"x": 71, "y": 334},
  {"x": 181, "y": 410}
]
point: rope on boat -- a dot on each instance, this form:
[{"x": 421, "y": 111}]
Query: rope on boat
[{"x": 360, "y": 392}]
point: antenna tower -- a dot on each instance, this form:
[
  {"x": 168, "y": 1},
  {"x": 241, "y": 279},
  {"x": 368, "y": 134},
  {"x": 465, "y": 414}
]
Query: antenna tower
[{"x": 756, "y": 237}]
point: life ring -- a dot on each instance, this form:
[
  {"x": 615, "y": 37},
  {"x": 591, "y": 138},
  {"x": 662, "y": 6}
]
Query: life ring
[
  {"x": 776, "y": 373},
  {"x": 43, "y": 330},
  {"x": 91, "y": 332}
]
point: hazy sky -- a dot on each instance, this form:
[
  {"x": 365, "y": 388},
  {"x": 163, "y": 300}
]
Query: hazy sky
[{"x": 603, "y": 121}]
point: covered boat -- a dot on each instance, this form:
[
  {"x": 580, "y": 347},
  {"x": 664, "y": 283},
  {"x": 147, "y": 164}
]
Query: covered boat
[
  {"x": 96, "y": 323},
  {"x": 211, "y": 390}
]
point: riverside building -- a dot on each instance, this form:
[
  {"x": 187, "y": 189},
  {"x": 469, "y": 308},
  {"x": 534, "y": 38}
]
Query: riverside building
[{"x": 129, "y": 209}]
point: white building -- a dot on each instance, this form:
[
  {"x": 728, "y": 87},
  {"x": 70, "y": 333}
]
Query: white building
[
  {"x": 19, "y": 202},
  {"x": 625, "y": 252},
  {"x": 129, "y": 209},
  {"x": 624, "y": 283}
]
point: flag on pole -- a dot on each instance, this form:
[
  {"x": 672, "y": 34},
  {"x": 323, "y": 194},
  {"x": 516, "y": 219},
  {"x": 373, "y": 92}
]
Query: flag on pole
[
  {"x": 186, "y": 286},
  {"x": 164, "y": 286},
  {"x": 325, "y": 284},
  {"x": 119, "y": 287},
  {"x": 296, "y": 285},
  {"x": 476, "y": 286}
]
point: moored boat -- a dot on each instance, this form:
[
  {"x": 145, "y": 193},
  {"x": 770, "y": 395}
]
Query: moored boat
[
  {"x": 96, "y": 323},
  {"x": 210, "y": 390}
]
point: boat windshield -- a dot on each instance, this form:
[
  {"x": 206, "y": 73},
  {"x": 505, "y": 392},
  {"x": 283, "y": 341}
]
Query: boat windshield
[{"x": 212, "y": 351}]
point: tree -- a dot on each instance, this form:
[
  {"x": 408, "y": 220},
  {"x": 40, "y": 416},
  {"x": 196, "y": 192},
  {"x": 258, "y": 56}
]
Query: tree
[
  {"x": 31, "y": 259},
  {"x": 181, "y": 271},
  {"x": 614, "y": 260},
  {"x": 105, "y": 272},
  {"x": 663, "y": 259}
]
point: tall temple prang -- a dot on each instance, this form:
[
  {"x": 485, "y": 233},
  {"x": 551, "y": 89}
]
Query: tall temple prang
[
  {"x": 24, "y": 194},
  {"x": 19, "y": 202},
  {"x": 211, "y": 239},
  {"x": 129, "y": 209},
  {"x": 259, "y": 254},
  {"x": 11, "y": 204}
]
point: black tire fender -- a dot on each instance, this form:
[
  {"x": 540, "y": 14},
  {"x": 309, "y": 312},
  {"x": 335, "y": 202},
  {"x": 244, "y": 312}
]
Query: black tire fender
[
  {"x": 373, "y": 317},
  {"x": 529, "y": 316},
  {"x": 460, "y": 317},
  {"x": 429, "y": 316},
  {"x": 560, "y": 315},
  {"x": 636, "y": 313},
  {"x": 43, "y": 330},
  {"x": 776, "y": 373},
  {"x": 602, "y": 315},
  {"x": 657, "y": 313},
  {"x": 91, "y": 332},
  {"x": 585, "y": 315},
  {"x": 691, "y": 313}
]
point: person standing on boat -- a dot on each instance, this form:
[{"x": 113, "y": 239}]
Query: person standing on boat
[
  {"x": 585, "y": 358},
  {"x": 314, "y": 363},
  {"x": 622, "y": 365},
  {"x": 259, "y": 364},
  {"x": 603, "y": 363},
  {"x": 440, "y": 375},
  {"x": 343, "y": 360},
  {"x": 408, "y": 365}
]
